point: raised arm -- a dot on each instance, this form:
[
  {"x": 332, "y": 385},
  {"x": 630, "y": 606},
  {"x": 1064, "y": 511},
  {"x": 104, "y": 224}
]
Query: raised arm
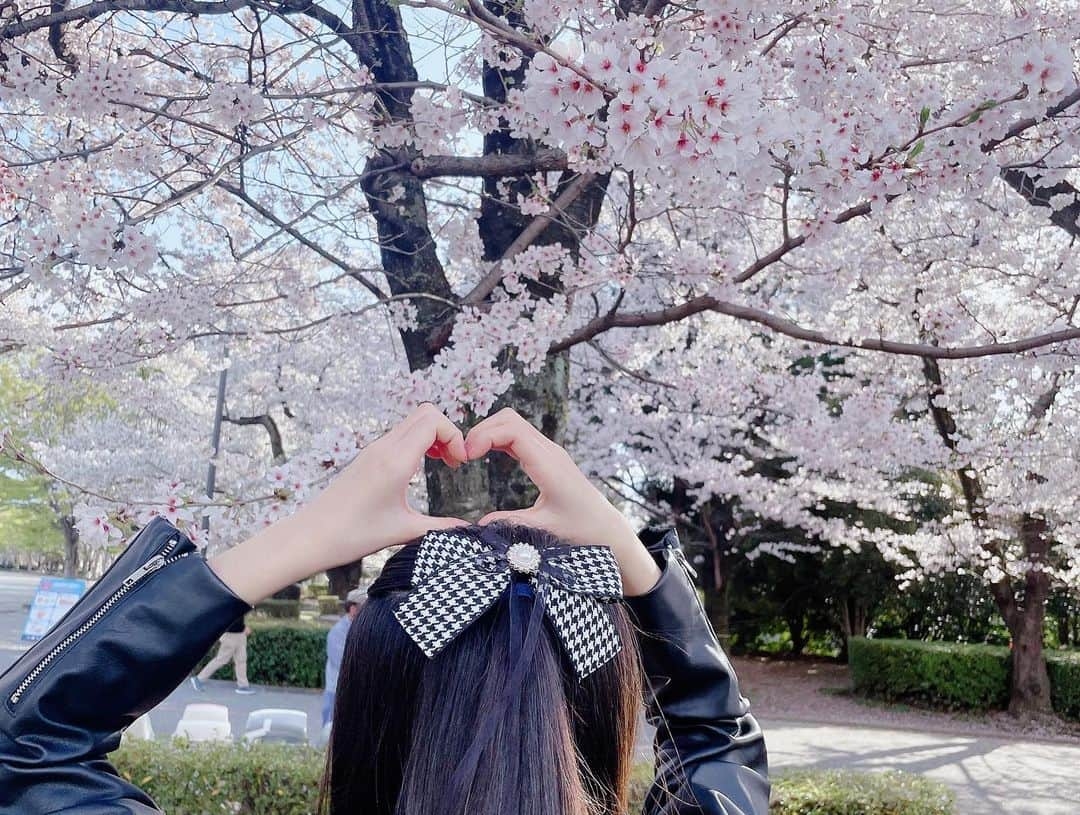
[
  {"x": 144, "y": 625},
  {"x": 710, "y": 752}
]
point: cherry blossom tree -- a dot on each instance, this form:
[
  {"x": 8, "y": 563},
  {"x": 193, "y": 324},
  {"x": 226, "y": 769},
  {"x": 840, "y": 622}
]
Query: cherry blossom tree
[
  {"x": 780, "y": 434},
  {"x": 357, "y": 206}
]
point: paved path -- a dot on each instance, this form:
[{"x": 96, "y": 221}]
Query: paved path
[
  {"x": 992, "y": 776},
  {"x": 16, "y": 591}
]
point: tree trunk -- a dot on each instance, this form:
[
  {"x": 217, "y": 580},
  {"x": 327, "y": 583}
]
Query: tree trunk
[
  {"x": 344, "y": 579},
  {"x": 481, "y": 487},
  {"x": 461, "y": 493},
  {"x": 71, "y": 546},
  {"x": 1024, "y": 613},
  {"x": 718, "y": 610},
  {"x": 542, "y": 399},
  {"x": 1030, "y": 690},
  {"x": 715, "y": 584},
  {"x": 796, "y": 624},
  {"x": 411, "y": 262}
]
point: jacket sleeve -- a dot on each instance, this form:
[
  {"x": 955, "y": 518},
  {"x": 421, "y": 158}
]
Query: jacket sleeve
[
  {"x": 710, "y": 751},
  {"x": 120, "y": 650}
]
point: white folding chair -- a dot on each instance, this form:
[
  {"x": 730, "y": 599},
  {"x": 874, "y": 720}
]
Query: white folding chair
[
  {"x": 277, "y": 724},
  {"x": 204, "y": 722},
  {"x": 206, "y": 712},
  {"x": 139, "y": 730}
]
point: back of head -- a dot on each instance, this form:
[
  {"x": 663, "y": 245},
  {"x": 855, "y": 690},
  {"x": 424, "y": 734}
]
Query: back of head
[{"x": 404, "y": 722}]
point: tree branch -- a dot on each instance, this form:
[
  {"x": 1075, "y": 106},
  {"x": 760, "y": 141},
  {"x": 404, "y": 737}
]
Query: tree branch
[
  {"x": 527, "y": 235},
  {"x": 782, "y": 325},
  {"x": 1028, "y": 187},
  {"x": 196, "y": 8},
  {"x": 346, "y": 267},
  {"x": 266, "y": 421},
  {"x": 493, "y": 164}
]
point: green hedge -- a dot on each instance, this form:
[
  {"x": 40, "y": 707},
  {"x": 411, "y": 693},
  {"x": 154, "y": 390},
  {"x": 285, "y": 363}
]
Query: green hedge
[
  {"x": 281, "y": 653},
  {"x": 845, "y": 792},
  {"x": 278, "y": 779},
  {"x": 237, "y": 779},
  {"x": 954, "y": 675},
  {"x": 945, "y": 674},
  {"x": 288, "y": 609},
  {"x": 1064, "y": 670}
]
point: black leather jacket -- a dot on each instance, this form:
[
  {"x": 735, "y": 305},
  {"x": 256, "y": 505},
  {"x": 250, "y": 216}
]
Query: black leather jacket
[{"x": 139, "y": 631}]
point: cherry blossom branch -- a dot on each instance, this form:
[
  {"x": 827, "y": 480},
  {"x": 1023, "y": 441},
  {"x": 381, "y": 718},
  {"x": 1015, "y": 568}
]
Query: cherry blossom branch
[
  {"x": 342, "y": 264},
  {"x": 629, "y": 372},
  {"x": 529, "y": 234},
  {"x": 782, "y": 325},
  {"x": 316, "y": 322},
  {"x": 196, "y": 8},
  {"x": 1028, "y": 187},
  {"x": 266, "y": 421},
  {"x": 1026, "y": 124},
  {"x": 11, "y": 451}
]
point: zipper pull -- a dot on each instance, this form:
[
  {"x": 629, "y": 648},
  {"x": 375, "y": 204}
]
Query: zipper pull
[
  {"x": 690, "y": 570},
  {"x": 153, "y": 564}
]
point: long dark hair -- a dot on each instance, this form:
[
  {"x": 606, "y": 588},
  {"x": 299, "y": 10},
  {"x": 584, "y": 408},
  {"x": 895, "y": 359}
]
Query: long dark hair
[{"x": 402, "y": 721}]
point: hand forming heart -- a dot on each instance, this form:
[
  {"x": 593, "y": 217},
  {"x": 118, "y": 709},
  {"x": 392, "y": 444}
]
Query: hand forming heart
[{"x": 365, "y": 508}]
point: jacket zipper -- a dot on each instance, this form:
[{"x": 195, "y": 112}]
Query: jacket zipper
[
  {"x": 691, "y": 572},
  {"x": 158, "y": 561}
]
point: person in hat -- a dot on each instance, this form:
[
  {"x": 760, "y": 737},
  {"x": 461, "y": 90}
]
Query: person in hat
[{"x": 335, "y": 649}]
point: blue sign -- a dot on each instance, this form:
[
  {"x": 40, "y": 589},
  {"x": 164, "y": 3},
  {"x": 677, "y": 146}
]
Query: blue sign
[{"x": 53, "y": 599}]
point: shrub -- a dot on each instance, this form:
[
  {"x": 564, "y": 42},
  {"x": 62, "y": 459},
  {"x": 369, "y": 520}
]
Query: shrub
[
  {"x": 280, "y": 779},
  {"x": 237, "y": 779},
  {"x": 1064, "y": 670},
  {"x": 290, "y": 592},
  {"x": 289, "y": 609},
  {"x": 945, "y": 674},
  {"x": 845, "y": 792},
  {"x": 329, "y": 604},
  {"x": 836, "y": 792},
  {"x": 282, "y": 653}
]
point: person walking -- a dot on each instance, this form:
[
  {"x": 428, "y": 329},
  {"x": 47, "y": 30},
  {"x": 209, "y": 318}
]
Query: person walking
[
  {"x": 335, "y": 649},
  {"x": 231, "y": 648}
]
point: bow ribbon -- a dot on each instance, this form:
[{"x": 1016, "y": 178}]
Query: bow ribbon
[{"x": 457, "y": 578}]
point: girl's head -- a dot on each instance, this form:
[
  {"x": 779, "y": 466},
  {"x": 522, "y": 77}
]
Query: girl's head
[{"x": 403, "y": 722}]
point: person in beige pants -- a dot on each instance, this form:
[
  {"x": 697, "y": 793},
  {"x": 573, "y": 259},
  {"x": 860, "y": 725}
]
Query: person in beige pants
[{"x": 231, "y": 648}]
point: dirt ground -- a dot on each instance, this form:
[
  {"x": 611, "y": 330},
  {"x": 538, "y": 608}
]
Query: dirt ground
[{"x": 819, "y": 691}]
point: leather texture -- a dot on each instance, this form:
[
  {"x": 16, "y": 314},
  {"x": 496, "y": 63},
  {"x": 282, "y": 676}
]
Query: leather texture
[
  {"x": 710, "y": 751},
  {"x": 54, "y": 741}
]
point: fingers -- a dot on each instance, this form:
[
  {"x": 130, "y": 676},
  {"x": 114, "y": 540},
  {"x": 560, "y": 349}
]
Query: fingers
[
  {"x": 510, "y": 433},
  {"x": 426, "y": 431}
]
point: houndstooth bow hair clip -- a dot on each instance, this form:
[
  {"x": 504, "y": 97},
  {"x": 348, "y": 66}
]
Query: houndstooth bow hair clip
[{"x": 457, "y": 578}]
